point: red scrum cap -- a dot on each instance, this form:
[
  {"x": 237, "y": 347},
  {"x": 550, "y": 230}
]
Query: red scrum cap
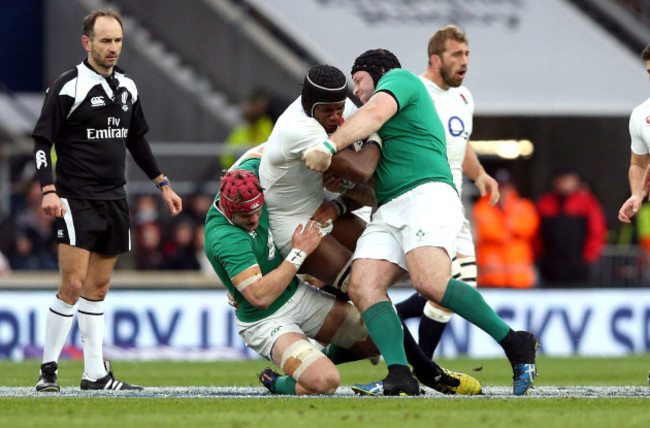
[{"x": 241, "y": 192}]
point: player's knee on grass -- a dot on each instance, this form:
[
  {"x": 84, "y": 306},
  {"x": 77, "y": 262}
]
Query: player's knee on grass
[
  {"x": 321, "y": 378},
  {"x": 310, "y": 368}
]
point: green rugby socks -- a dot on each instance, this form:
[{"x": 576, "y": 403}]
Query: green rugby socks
[
  {"x": 469, "y": 304},
  {"x": 284, "y": 385},
  {"x": 385, "y": 328},
  {"x": 339, "y": 355}
]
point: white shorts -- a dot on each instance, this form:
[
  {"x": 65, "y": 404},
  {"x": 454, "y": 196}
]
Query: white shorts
[
  {"x": 428, "y": 216},
  {"x": 304, "y": 313},
  {"x": 282, "y": 228},
  {"x": 364, "y": 213}
]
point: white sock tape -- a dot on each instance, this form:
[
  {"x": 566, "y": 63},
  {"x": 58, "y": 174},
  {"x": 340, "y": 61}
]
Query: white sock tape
[{"x": 436, "y": 314}]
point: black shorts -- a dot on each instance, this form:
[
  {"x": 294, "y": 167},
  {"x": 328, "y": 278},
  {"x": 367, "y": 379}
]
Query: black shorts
[{"x": 98, "y": 226}]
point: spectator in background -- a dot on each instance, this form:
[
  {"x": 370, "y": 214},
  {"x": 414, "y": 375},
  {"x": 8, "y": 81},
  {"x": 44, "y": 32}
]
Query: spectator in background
[
  {"x": 148, "y": 233},
  {"x": 148, "y": 246},
  {"x": 146, "y": 210},
  {"x": 573, "y": 231},
  {"x": 30, "y": 256},
  {"x": 255, "y": 130},
  {"x": 198, "y": 207},
  {"x": 33, "y": 225},
  {"x": 4, "y": 265},
  {"x": 179, "y": 251},
  {"x": 505, "y": 234}
]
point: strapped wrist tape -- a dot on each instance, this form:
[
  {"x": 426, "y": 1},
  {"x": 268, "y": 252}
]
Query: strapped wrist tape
[{"x": 296, "y": 257}]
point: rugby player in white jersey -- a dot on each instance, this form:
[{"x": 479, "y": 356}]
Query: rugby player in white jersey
[
  {"x": 639, "y": 172},
  {"x": 448, "y": 59},
  {"x": 294, "y": 193}
]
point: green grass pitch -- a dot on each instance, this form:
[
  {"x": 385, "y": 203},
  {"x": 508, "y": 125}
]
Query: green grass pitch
[{"x": 433, "y": 410}]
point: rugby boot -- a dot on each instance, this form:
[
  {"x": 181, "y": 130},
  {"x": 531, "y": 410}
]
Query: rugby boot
[
  {"x": 47, "y": 378},
  {"x": 268, "y": 378},
  {"x": 108, "y": 382},
  {"x": 400, "y": 381},
  {"x": 454, "y": 383},
  {"x": 522, "y": 361}
]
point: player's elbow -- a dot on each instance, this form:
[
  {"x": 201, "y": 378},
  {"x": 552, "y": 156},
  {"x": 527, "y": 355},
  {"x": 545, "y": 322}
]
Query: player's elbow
[
  {"x": 260, "y": 302},
  {"x": 257, "y": 297},
  {"x": 365, "y": 175}
]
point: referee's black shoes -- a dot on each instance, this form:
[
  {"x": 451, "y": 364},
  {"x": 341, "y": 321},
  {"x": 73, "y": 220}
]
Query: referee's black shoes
[
  {"x": 47, "y": 379},
  {"x": 108, "y": 382}
]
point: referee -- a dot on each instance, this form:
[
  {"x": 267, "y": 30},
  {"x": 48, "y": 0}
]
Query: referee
[{"x": 91, "y": 114}]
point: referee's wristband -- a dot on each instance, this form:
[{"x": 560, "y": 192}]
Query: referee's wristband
[
  {"x": 47, "y": 192},
  {"x": 296, "y": 257},
  {"x": 163, "y": 183}
]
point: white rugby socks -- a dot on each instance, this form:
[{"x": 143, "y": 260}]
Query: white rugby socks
[
  {"x": 57, "y": 327},
  {"x": 90, "y": 316}
]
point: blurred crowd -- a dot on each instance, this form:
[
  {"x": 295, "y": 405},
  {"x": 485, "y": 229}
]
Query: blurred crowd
[{"x": 553, "y": 241}]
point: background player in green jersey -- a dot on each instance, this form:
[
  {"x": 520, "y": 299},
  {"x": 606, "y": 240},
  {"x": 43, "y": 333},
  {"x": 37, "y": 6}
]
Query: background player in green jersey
[{"x": 417, "y": 221}]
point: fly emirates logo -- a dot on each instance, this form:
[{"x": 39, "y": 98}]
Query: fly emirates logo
[{"x": 111, "y": 131}]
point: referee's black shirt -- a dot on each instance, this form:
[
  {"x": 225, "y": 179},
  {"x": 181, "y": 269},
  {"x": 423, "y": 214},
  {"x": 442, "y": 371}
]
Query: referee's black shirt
[{"x": 91, "y": 125}]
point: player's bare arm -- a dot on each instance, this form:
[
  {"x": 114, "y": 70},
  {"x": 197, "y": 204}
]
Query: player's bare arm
[
  {"x": 357, "y": 167},
  {"x": 639, "y": 179},
  {"x": 368, "y": 119},
  {"x": 473, "y": 169}
]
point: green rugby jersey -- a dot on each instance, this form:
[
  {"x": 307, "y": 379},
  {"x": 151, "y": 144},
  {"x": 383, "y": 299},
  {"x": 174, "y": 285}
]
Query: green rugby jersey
[
  {"x": 414, "y": 149},
  {"x": 231, "y": 250}
]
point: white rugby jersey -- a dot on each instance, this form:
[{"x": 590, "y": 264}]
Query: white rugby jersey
[
  {"x": 640, "y": 128},
  {"x": 290, "y": 188},
  {"x": 455, "y": 106}
]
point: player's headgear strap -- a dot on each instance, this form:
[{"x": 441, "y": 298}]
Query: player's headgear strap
[
  {"x": 240, "y": 192},
  {"x": 324, "y": 84},
  {"x": 376, "y": 62}
]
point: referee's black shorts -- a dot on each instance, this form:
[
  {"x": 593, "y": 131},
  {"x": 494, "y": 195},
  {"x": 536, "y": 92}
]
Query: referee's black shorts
[{"x": 98, "y": 226}]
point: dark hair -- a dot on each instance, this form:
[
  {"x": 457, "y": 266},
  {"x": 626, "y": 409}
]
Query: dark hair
[
  {"x": 646, "y": 53},
  {"x": 89, "y": 21}
]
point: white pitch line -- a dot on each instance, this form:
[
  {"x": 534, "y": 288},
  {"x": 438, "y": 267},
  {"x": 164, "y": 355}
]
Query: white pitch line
[{"x": 343, "y": 392}]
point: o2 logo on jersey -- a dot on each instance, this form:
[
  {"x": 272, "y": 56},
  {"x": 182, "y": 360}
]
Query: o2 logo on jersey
[{"x": 456, "y": 126}]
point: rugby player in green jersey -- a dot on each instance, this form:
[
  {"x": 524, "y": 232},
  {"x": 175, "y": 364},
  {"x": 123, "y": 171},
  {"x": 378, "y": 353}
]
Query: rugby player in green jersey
[{"x": 417, "y": 221}]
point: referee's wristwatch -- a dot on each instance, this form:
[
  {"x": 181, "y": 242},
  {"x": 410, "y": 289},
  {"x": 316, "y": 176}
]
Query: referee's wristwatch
[{"x": 163, "y": 183}]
